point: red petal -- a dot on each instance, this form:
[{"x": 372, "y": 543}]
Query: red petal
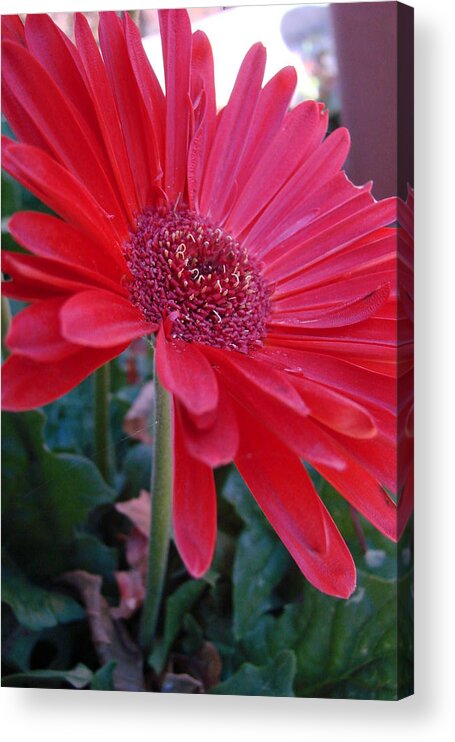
[
  {"x": 194, "y": 507},
  {"x": 24, "y": 291},
  {"x": 35, "y": 332},
  {"x": 320, "y": 219},
  {"x": 363, "y": 491},
  {"x": 266, "y": 380},
  {"x": 61, "y": 191},
  {"x": 100, "y": 319},
  {"x": 377, "y": 358},
  {"x": 59, "y": 122},
  {"x": 27, "y": 384},
  {"x": 13, "y": 29},
  {"x": 49, "y": 46},
  {"x": 338, "y": 315},
  {"x": 271, "y": 397},
  {"x": 33, "y": 277},
  {"x": 336, "y": 411},
  {"x": 147, "y": 81},
  {"x": 139, "y": 135},
  {"x": 315, "y": 189},
  {"x": 217, "y": 444},
  {"x": 273, "y": 103},
  {"x": 366, "y": 254},
  {"x": 23, "y": 126},
  {"x": 332, "y": 239},
  {"x": 340, "y": 289},
  {"x": 231, "y": 135},
  {"x": 278, "y": 163},
  {"x": 379, "y": 457},
  {"x": 203, "y": 97},
  {"x": 336, "y": 373},
  {"x": 51, "y": 238},
  {"x": 106, "y": 112},
  {"x": 374, "y": 330},
  {"x": 176, "y": 40},
  {"x": 186, "y": 373},
  {"x": 283, "y": 490}
]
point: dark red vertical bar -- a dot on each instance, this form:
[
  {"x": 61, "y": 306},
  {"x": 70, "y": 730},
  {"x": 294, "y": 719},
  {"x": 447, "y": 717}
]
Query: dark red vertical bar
[{"x": 375, "y": 53}]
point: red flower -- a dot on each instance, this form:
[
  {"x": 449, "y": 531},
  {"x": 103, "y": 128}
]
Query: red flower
[{"x": 268, "y": 278}]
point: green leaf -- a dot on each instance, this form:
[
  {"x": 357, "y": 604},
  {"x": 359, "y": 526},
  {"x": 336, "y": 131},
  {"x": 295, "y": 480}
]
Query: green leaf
[
  {"x": 259, "y": 565},
  {"x": 103, "y": 679},
  {"x": 11, "y": 196},
  {"x": 194, "y": 636},
  {"x": 92, "y": 555},
  {"x": 260, "y": 559},
  {"x": 272, "y": 679},
  {"x": 34, "y": 607},
  {"x": 177, "y": 606},
  {"x": 344, "y": 648},
  {"x": 78, "y": 677},
  {"x": 47, "y": 497},
  {"x": 74, "y": 487},
  {"x": 69, "y": 420},
  {"x": 21, "y": 647}
]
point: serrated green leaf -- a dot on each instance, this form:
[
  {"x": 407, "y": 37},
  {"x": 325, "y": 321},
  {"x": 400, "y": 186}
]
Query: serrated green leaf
[
  {"x": 78, "y": 677},
  {"x": 272, "y": 679},
  {"x": 34, "y": 607},
  {"x": 180, "y": 602}
]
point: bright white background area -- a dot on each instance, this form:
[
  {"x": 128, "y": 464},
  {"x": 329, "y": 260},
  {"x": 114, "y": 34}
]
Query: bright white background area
[{"x": 85, "y": 716}]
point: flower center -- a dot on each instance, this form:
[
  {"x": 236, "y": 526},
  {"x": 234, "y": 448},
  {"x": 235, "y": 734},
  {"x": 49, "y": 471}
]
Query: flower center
[{"x": 182, "y": 265}]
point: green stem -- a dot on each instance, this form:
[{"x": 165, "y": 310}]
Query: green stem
[
  {"x": 160, "y": 525},
  {"x": 6, "y": 321},
  {"x": 102, "y": 439}
]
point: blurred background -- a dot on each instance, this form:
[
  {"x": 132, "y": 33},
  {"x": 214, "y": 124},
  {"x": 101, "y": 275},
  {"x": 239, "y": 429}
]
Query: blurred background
[{"x": 346, "y": 55}]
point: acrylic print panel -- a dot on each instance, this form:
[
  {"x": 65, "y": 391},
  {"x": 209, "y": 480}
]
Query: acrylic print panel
[{"x": 207, "y": 339}]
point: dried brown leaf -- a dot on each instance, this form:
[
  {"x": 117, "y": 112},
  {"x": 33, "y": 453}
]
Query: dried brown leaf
[
  {"x": 209, "y": 664},
  {"x": 110, "y": 637}
]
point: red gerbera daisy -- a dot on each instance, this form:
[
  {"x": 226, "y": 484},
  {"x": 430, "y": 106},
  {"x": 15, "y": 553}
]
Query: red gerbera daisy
[{"x": 235, "y": 239}]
